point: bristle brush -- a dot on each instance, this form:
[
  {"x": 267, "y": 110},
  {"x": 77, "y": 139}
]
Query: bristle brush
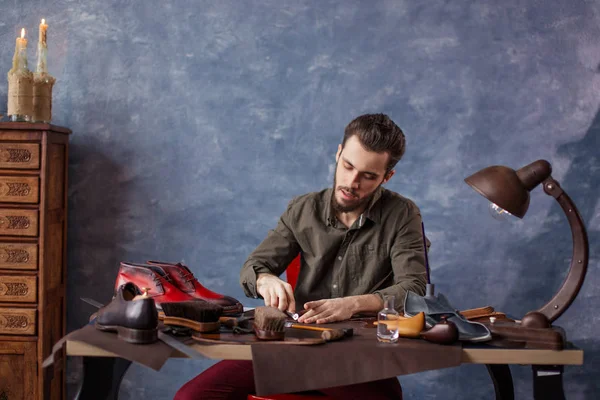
[
  {"x": 269, "y": 323},
  {"x": 198, "y": 315}
]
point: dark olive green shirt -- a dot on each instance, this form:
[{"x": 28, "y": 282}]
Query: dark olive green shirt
[{"x": 381, "y": 253}]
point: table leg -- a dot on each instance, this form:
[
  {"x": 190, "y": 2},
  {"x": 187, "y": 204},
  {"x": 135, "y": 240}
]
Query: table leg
[
  {"x": 102, "y": 377},
  {"x": 547, "y": 382},
  {"x": 503, "y": 383}
]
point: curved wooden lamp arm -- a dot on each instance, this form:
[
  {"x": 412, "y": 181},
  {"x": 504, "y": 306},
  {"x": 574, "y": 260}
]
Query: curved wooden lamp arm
[{"x": 579, "y": 262}]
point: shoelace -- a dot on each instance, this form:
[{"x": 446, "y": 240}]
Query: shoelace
[{"x": 188, "y": 276}]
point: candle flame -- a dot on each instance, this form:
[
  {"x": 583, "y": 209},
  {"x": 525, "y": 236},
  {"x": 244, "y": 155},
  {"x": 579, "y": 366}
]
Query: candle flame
[
  {"x": 22, "y": 33},
  {"x": 43, "y": 21}
]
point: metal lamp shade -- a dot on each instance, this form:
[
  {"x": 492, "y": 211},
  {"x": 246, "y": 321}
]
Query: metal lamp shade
[{"x": 502, "y": 186}]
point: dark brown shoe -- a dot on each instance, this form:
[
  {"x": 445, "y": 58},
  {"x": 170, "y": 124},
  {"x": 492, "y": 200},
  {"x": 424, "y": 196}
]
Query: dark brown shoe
[{"x": 134, "y": 319}]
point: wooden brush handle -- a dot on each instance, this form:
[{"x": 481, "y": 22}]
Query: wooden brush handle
[
  {"x": 332, "y": 334},
  {"x": 327, "y": 334},
  {"x": 309, "y": 327}
]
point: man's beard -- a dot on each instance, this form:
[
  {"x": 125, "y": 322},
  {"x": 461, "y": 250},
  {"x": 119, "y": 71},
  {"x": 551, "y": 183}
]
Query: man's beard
[{"x": 352, "y": 206}]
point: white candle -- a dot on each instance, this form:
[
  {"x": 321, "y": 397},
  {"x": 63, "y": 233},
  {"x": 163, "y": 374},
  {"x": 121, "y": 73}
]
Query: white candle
[
  {"x": 43, "y": 29},
  {"x": 21, "y": 41},
  {"x": 20, "y": 56}
]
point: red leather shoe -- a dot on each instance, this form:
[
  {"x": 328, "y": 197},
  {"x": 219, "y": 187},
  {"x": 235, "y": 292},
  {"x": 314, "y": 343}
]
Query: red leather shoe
[
  {"x": 161, "y": 285},
  {"x": 185, "y": 280}
]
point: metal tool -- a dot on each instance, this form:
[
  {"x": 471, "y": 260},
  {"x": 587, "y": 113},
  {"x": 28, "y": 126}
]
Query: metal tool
[{"x": 92, "y": 302}]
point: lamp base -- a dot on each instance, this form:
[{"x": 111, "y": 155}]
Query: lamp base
[
  {"x": 515, "y": 335},
  {"x": 429, "y": 291},
  {"x": 534, "y": 319}
]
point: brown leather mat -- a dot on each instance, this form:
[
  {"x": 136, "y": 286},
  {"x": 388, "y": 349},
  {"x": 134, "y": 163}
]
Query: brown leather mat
[
  {"x": 284, "y": 369},
  {"x": 357, "y": 359}
]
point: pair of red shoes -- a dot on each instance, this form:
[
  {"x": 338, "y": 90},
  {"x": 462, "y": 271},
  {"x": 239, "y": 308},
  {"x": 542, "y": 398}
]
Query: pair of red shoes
[{"x": 168, "y": 282}]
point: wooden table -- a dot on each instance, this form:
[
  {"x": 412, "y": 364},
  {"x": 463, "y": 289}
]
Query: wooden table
[{"x": 547, "y": 366}]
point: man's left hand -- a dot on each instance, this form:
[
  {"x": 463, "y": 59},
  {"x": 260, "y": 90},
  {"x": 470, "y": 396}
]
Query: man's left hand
[{"x": 329, "y": 310}]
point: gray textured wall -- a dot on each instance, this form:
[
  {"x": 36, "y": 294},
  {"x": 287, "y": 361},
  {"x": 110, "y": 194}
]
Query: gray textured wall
[{"x": 196, "y": 121}]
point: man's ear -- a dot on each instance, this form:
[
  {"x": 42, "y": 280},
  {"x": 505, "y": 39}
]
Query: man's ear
[
  {"x": 388, "y": 176},
  {"x": 339, "y": 152}
]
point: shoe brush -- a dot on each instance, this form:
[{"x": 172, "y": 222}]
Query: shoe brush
[
  {"x": 269, "y": 323},
  {"x": 198, "y": 315}
]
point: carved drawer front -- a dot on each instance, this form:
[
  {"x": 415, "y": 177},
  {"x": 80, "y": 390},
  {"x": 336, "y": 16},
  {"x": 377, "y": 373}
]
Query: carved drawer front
[
  {"x": 15, "y": 222},
  {"x": 17, "y": 321},
  {"x": 19, "y": 189},
  {"x": 18, "y": 370},
  {"x": 18, "y": 289},
  {"x": 19, "y": 256},
  {"x": 19, "y": 155}
]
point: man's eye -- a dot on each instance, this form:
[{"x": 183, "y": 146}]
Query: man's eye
[
  {"x": 369, "y": 177},
  {"x": 347, "y": 166}
]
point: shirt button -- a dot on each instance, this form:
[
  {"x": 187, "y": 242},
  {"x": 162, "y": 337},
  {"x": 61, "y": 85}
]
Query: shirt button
[
  {"x": 334, "y": 286},
  {"x": 340, "y": 258}
]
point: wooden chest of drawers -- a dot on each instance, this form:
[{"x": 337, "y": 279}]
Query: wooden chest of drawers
[{"x": 33, "y": 221}]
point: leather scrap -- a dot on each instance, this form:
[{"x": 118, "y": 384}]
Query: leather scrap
[{"x": 151, "y": 355}]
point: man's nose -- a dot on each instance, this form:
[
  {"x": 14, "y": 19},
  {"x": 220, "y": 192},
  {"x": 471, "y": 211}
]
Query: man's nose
[{"x": 355, "y": 183}]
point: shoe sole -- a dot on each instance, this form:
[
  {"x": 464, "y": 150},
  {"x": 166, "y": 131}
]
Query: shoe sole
[{"x": 130, "y": 335}]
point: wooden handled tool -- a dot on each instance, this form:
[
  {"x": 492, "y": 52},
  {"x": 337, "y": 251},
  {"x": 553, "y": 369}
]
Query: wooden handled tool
[{"x": 327, "y": 334}]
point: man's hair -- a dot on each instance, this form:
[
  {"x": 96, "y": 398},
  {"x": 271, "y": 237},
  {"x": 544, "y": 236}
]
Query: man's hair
[{"x": 378, "y": 133}]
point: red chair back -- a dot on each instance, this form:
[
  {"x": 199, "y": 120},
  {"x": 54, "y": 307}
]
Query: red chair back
[{"x": 292, "y": 271}]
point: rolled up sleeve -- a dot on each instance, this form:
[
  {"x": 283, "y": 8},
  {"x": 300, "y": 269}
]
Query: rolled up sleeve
[
  {"x": 273, "y": 255},
  {"x": 407, "y": 259}
]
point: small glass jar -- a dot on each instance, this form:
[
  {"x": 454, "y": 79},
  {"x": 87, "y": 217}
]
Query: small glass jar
[{"x": 387, "y": 321}]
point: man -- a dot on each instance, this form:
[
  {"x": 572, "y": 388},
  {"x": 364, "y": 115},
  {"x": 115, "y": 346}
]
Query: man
[{"x": 358, "y": 241}]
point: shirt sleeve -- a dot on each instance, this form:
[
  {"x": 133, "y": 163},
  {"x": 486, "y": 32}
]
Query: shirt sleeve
[
  {"x": 407, "y": 259},
  {"x": 273, "y": 255}
]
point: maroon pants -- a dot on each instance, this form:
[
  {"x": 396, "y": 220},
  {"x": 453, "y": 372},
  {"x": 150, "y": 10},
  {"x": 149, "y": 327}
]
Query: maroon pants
[{"x": 234, "y": 380}]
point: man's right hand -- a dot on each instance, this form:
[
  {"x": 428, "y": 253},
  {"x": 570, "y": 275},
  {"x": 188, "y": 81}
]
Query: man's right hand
[{"x": 277, "y": 293}]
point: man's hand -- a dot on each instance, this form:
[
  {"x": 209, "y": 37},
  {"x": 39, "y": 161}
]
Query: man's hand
[
  {"x": 277, "y": 293},
  {"x": 340, "y": 309},
  {"x": 330, "y": 310}
]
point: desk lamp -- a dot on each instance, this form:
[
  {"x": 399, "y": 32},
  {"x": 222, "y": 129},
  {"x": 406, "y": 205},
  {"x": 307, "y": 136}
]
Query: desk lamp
[{"x": 508, "y": 190}]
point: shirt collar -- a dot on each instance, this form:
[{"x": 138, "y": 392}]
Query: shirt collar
[{"x": 372, "y": 212}]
